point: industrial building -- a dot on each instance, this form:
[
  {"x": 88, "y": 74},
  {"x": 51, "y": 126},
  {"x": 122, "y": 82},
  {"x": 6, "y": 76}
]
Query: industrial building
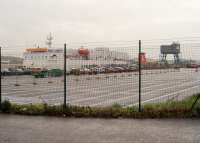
[{"x": 9, "y": 62}]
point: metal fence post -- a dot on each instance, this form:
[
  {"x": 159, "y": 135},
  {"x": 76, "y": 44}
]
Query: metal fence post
[
  {"x": 0, "y": 77},
  {"x": 139, "y": 60},
  {"x": 65, "y": 74}
]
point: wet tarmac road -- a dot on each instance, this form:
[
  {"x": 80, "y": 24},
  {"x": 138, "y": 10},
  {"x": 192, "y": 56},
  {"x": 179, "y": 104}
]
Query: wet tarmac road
[{"x": 28, "y": 129}]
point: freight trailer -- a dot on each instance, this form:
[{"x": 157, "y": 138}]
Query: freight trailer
[
  {"x": 48, "y": 73},
  {"x": 55, "y": 72}
]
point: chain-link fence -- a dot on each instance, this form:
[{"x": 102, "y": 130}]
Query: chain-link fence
[{"x": 101, "y": 73}]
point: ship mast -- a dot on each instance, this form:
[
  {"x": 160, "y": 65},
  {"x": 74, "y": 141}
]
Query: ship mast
[{"x": 49, "y": 41}]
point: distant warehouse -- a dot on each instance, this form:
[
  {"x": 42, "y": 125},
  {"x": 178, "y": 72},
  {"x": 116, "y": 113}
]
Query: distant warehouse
[
  {"x": 45, "y": 58},
  {"x": 10, "y": 62}
]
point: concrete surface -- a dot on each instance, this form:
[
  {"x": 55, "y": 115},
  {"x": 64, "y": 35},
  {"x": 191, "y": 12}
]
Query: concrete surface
[
  {"x": 27, "y": 129},
  {"x": 103, "y": 89}
]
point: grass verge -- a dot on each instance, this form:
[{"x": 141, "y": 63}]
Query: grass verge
[{"x": 172, "y": 109}]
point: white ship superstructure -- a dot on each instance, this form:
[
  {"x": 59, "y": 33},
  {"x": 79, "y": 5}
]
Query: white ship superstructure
[{"x": 46, "y": 58}]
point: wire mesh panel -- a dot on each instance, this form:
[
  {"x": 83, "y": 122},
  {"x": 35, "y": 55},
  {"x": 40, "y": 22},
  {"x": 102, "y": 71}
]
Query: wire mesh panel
[
  {"x": 102, "y": 74},
  {"x": 32, "y": 75},
  {"x": 170, "y": 69}
]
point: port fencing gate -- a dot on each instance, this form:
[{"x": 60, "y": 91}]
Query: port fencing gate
[{"x": 101, "y": 73}]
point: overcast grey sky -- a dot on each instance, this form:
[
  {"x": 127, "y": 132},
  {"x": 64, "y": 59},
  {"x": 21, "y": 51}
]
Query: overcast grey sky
[{"x": 29, "y": 21}]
